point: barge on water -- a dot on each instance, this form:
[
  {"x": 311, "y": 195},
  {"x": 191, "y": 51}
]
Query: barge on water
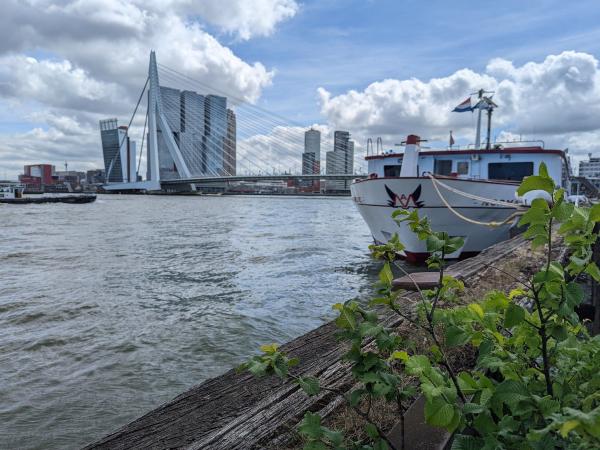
[
  {"x": 470, "y": 192},
  {"x": 13, "y": 195}
]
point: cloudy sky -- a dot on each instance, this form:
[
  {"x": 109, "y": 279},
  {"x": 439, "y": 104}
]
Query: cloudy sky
[{"x": 373, "y": 67}]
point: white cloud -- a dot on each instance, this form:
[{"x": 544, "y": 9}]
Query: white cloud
[
  {"x": 557, "y": 99},
  {"x": 281, "y": 149},
  {"x": 55, "y": 83},
  {"x": 66, "y": 140},
  {"x": 90, "y": 61},
  {"x": 247, "y": 19}
]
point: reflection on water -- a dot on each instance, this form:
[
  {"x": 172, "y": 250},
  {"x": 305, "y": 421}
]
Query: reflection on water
[{"x": 110, "y": 309}]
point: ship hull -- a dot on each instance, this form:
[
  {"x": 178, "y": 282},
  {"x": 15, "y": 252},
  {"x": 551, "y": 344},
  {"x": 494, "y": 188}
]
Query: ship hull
[
  {"x": 71, "y": 199},
  {"x": 376, "y": 200}
]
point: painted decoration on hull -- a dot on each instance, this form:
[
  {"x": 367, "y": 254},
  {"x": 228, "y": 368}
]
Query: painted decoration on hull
[{"x": 403, "y": 201}]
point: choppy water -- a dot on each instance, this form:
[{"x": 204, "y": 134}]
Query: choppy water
[{"x": 110, "y": 309}]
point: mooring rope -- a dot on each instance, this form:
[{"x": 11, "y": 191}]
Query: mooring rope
[
  {"x": 472, "y": 196},
  {"x": 434, "y": 181}
]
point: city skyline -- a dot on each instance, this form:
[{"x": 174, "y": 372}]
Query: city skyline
[{"x": 54, "y": 91}]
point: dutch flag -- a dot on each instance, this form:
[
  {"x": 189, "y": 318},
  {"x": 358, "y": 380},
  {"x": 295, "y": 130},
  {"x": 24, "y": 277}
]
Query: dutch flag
[{"x": 464, "y": 106}]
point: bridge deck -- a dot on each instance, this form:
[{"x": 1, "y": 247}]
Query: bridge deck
[{"x": 264, "y": 178}]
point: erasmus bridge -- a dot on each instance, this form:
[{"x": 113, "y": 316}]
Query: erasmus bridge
[{"x": 192, "y": 139}]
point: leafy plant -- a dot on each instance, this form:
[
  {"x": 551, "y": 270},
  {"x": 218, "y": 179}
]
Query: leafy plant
[{"x": 535, "y": 384}]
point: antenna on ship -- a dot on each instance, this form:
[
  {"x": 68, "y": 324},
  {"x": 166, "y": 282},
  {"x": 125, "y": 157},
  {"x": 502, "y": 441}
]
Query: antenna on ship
[{"x": 484, "y": 103}]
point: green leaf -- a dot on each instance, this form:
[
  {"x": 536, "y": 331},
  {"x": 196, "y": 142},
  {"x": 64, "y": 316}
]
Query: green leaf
[
  {"x": 477, "y": 309},
  {"x": 484, "y": 424},
  {"x": 514, "y": 315},
  {"x": 562, "y": 211},
  {"x": 535, "y": 182},
  {"x": 568, "y": 426},
  {"x": 595, "y": 213},
  {"x": 380, "y": 444},
  {"x": 456, "y": 336},
  {"x": 438, "y": 413},
  {"x": 369, "y": 329},
  {"x": 257, "y": 367},
  {"x": 386, "y": 276},
  {"x": 454, "y": 243},
  {"x": 434, "y": 243},
  {"x": 543, "y": 170},
  {"x": 335, "y": 437},
  {"x": 380, "y": 301},
  {"x": 399, "y": 354},
  {"x": 592, "y": 270},
  {"x": 473, "y": 408},
  {"x": 511, "y": 392},
  {"x": 315, "y": 445},
  {"x": 311, "y": 426},
  {"x": 310, "y": 385},
  {"x": 574, "y": 294},
  {"x": 464, "y": 442},
  {"x": 417, "y": 364},
  {"x": 467, "y": 383},
  {"x": 269, "y": 349},
  {"x": 371, "y": 431},
  {"x": 536, "y": 214},
  {"x": 355, "y": 396},
  {"x": 436, "y": 352},
  {"x": 280, "y": 367},
  {"x": 346, "y": 318}
]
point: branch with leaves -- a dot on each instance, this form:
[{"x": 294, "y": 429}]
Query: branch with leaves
[{"x": 535, "y": 383}]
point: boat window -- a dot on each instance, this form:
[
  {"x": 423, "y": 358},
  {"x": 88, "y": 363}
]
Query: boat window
[
  {"x": 462, "y": 167},
  {"x": 392, "y": 171},
  {"x": 514, "y": 171},
  {"x": 442, "y": 167}
]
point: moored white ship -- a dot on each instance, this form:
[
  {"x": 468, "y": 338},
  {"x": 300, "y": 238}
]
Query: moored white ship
[{"x": 466, "y": 193}]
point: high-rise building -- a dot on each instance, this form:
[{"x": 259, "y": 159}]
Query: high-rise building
[
  {"x": 171, "y": 106},
  {"x": 311, "y": 158},
  {"x": 340, "y": 160},
  {"x": 229, "y": 145},
  {"x": 203, "y": 130},
  {"x": 192, "y": 130},
  {"x": 118, "y": 151},
  {"x": 215, "y": 132}
]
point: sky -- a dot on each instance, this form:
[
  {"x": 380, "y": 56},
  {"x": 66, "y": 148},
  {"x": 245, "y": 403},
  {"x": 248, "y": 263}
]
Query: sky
[{"x": 372, "y": 67}]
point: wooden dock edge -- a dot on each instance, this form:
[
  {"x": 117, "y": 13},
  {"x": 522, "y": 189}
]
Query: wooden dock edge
[{"x": 238, "y": 411}]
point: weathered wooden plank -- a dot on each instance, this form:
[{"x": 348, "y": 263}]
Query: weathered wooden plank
[
  {"x": 418, "y": 280},
  {"x": 237, "y": 411}
]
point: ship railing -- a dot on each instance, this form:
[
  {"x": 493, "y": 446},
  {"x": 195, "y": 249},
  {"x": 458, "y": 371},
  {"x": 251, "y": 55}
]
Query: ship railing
[{"x": 379, "y": 149}]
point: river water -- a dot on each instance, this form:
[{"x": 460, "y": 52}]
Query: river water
[{"x": 109, "y": 309}]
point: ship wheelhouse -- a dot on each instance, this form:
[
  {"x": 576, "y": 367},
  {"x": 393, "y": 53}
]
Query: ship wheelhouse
[{"x": 509, "y": 164}]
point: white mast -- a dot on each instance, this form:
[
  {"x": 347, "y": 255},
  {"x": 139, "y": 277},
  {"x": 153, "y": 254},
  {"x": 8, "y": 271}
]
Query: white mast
[{"x": 478, "y": 133}]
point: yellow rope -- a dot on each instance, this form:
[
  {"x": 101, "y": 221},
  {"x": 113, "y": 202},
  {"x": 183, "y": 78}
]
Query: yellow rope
[
  {"x": 467, "y": 219},
  {"x": 473, "y": 196}
]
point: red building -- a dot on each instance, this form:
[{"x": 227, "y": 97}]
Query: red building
[{"x": 37, "y": 175}]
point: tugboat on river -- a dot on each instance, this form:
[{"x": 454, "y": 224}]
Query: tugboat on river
[{"x": 13, "y": 194}]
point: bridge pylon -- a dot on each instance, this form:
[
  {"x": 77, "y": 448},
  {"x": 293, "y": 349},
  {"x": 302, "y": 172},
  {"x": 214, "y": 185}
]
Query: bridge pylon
[{"x": 156, "y": 119}]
